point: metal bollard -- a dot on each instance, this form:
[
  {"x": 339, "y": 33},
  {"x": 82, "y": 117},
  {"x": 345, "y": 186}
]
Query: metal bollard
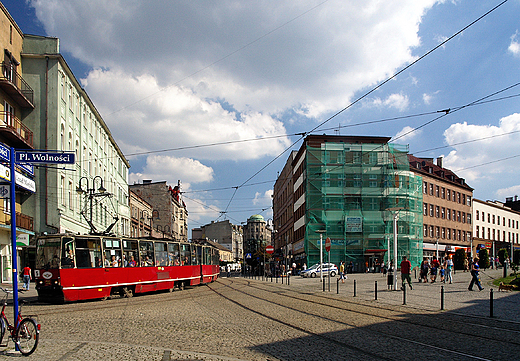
[
  {"x": 337, "y": 286},
  {"x": 404, "y": 295},
  {"x": 442, "y": 298},
  {"x": 491, "y": 303},
  {"x": 376, "y": 291},
  {"x": 288, "y": 279},
  {"x": 354, "y": 288},
  {"x": 323, "y": 285}
]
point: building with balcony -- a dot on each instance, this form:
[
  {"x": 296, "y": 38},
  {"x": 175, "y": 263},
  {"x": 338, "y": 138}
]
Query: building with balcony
[
  {"x": 90, "y": 196},
  {"x": 257, "y": 236},
  {"x": 346, "y": 188},
  {"x": 446, "y": 200},
  {"x": 495, "y": 226},
  {"x": 16, "y": 103},
  {"x": 170, "y": 216}
]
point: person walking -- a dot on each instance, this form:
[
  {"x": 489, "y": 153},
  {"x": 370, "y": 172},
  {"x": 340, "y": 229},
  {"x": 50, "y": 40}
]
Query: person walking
[
  {"x": 406, "y": 268},
  {"x": 26, "y": 277},
  {"x": 475, "y": 279},
  {"x": 342, "y": 272},
  {"x": 448, "y": 264}
]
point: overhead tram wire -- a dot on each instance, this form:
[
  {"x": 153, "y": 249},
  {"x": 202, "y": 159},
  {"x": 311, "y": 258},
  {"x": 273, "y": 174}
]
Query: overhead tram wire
[
  {"x": 368, "y": 93},
  {"x": 408, "y": 66}
]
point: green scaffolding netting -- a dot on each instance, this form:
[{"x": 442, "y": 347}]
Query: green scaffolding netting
[{"x": 349, "y": 191}]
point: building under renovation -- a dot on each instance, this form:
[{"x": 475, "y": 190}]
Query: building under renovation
[{"x": 348, "y": 189}]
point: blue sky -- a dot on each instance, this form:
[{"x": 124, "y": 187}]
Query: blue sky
[{"x": 167, "y": 75}]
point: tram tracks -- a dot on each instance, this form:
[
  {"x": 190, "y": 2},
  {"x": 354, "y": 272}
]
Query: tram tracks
[
  {"x": 385, "y": 324},
  {"x": 421, "y": 316}
]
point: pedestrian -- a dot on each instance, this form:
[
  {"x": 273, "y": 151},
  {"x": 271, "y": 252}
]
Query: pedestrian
[
  {"x": 475, "y": 278},
  {"x": 406, "y": 268},
  {"x": 383, "y": 268},
  {"x": 433, "y": 269},
  {"x": 442, "y": 272},
  {"x": 448, "y": 264},
  {"x": 466, "y": 264},
  {"x": 342, "y": 272},
  {"x": 425, "y": 268},
  {"x": 26, "y": 277}
]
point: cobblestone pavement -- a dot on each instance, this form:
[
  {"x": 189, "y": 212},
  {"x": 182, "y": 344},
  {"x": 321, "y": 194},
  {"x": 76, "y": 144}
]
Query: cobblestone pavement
[{"x": 255, "y": 319}]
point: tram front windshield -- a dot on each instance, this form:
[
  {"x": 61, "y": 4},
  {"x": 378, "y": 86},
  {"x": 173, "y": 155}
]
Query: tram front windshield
[{"x": 48, "y": 253}]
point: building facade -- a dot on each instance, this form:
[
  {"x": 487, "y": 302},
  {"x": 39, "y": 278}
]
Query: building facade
[
  {"x": 170, "y": 216},
  {"x": 345, "y": 188},
  {"x": 90, "y": 196},
  {"x": 141, "y": 217},
  {"x": 257, "y": 236},
  {"x": 283, "y": 213},
  {"x": 495, "y": 226},
  {"x": 224, "y": 233},
  {"x": 447, "y": 202},
  {"x": 16, "y": 103}
]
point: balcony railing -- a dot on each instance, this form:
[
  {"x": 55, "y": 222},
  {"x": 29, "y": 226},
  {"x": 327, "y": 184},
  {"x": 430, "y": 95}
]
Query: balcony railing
[
  {"x": 22, "y": 221},
  {"x": 13, "y": 83},
  {"x": 14, "y": 125}
]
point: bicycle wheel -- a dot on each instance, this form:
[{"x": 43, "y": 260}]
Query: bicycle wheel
[
  {"x": 27, "y": 336},
  {"x": 2, "y": 329}
]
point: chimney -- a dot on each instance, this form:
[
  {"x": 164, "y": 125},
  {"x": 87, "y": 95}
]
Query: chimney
[
  {"x": 516, "y": 198},
  {"x": 439, "y": 162}
]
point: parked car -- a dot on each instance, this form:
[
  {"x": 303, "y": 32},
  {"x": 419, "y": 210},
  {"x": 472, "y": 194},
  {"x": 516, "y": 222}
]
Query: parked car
[{"x": 316, "y": 270}]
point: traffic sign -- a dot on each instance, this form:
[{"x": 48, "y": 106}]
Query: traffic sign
[
  {"x": 327, "y": 244},
  {"x": 269, "y": 249},
  {"x": 22, "y": 156}
]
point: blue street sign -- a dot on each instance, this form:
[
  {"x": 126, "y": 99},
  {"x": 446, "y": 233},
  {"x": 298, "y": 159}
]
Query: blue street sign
[
  {"x": 45, "y": 157},
  {"x": 248, "y": 255}
]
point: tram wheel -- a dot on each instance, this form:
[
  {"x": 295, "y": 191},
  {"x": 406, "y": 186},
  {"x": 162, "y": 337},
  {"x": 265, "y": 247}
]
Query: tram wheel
[{"x": 127, "y": 292}]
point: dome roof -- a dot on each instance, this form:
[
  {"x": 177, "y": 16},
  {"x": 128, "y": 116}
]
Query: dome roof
[{"x": 256, "y": 218}]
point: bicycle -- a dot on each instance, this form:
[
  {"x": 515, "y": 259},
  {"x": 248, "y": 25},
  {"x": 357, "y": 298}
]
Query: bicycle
[{"x": 25, "y": 333}]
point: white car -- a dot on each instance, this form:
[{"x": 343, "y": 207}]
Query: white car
[{"x": 316, "y": 270}]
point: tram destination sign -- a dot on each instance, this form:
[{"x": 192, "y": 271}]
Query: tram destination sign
[{"x": 45, "y": 157}]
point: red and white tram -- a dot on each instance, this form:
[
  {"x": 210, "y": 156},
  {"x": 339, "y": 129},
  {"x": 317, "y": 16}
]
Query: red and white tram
[{"x": 81, "y": 267}]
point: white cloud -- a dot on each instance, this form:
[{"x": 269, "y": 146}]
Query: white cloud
[
  {"x": 171, "y": 169},
  {"x": 514, "y": 46},
  {"x": 406, "y": 134},
  {"x": 224, "y": 50},
  {"x": 263, "y": 198},
  {"x": 396, "y": 101},
  {"x": 481, "y": 161},
  {"x": 503, "y": 193}
]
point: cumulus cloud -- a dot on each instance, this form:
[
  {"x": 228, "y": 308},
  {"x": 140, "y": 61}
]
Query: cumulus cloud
[
  {"x": 171, "y": 169},
  {"x": 255, "y": 57},
  {"x": 482, "y": 160},
  {"x": 406, "y": 134},
  {"x": 396, "y": 101},
  {"x": 514, "y": 46}
]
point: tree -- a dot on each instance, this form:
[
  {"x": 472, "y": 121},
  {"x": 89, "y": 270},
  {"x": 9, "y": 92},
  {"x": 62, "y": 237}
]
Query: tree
[
  {"x": 502, "y": 255},
  {"x": 483, "y": 260},
  {"x": 458, "y": 260}
]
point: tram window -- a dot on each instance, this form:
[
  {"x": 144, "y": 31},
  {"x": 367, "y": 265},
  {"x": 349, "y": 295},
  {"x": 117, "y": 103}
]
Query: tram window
[
  {"x": 196, "y": 251},
  {"x": 173, "y": 254},
  {"x": 130, "y": 253},
  {"x": 112, "y": 252},
  {"x": 185, "y": 255},
  {"x": 146, "y": 253},
  {"x": 88, "y": 252},
  {"x": 67, "y": 253},
  {"x": 161, "y": 255}
]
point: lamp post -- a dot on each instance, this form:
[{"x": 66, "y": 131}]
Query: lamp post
[
  {"x": 395, "y": 217},
  {"x": 321, "y": 231},
  {"x": 91, "y": 194}
]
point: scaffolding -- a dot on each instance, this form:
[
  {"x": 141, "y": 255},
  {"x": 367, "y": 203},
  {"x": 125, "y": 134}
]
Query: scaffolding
[{"x": 349, "y": 191}]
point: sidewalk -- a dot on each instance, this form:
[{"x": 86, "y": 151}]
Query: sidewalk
[
  {"x": 424, "y": 296},
  {"x": 30, "y": 296}
]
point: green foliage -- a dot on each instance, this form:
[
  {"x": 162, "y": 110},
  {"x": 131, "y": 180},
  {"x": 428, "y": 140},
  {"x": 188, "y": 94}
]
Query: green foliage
[
  {"x": 458, "y": 259},
  {"x": 483, "y": 258},
  {"x": 516, "y": 256},
  {"x": 502, "y": 255}
]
